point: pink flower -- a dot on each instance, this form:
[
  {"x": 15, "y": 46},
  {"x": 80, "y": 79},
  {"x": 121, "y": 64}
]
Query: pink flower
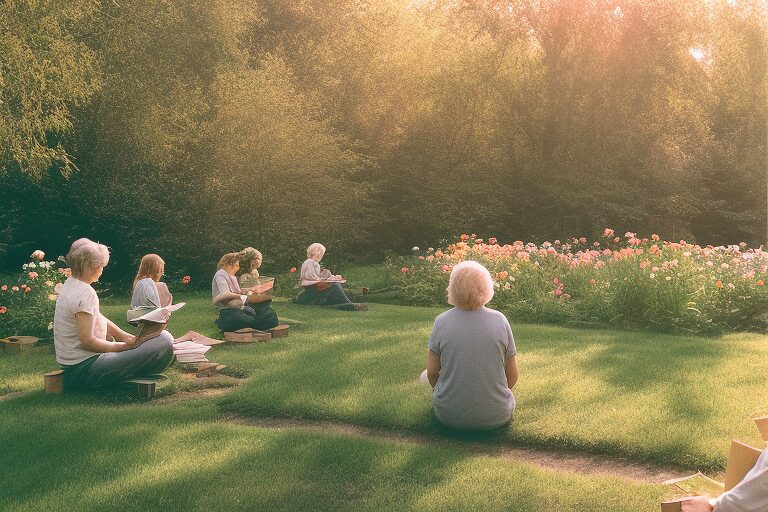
[
  {"x": 556, "y": 281},
  {"x": 33, "y": 275},
  {"x": 492, "y": 241},
  {"x": 464, "y": 237},
  {"x": 629, "y": 234},
  {"x": 38, "y": 255},
  {"x": 608, "y": 233},
  {"x": 58, "y": 287},
  {"x": 655, "y": 237},
  {"x": 446, "y": 268},
  {"x": 293, "y": 270},
  {"x": 479, "y": 241},
  {"x": 27, "y": 289},
  {"x": 616, "y": 240},
  {"x": 558, "y": 292},
  {"x": 583, "y": 240},
  {"x": 404, "y": 270},
  {"x": 502, "y": 275},
  {"x": 186, "y": 280},
  {"x": 3, "y": 310},
  {"x": 15, "y": 289},
  {"x": 4, "y": 287},
  {"x": 592, "y": 282}
]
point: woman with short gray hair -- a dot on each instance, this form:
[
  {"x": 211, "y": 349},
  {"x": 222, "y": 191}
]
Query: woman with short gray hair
[
  {"x": 471, "y": 361},
  {"x": 320, "y": 287},
  {"x": 81, "y": 334}
]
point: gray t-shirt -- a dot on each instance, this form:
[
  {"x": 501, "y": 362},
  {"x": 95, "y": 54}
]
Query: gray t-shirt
[
  {"x": 223, "y": 282},
  {"x": 473, "y": 346},
  {"x": 145, "y": 294}
]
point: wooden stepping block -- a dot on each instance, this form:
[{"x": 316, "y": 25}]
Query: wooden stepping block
[
  {"x": 280, "y": 331},
  {"x": 247, "y": 336},
  {"x": 18, "y": 344},
  {"x": 54, "y": 382},
  {"x": 146, "y": 388},
  {"x": 211, "y": 370}
]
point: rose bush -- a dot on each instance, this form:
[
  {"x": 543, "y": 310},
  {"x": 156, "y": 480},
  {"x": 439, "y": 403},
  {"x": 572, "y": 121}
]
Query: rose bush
[
  {"x": 28, "y": 299},
  {"x": 631, "y": 281}
]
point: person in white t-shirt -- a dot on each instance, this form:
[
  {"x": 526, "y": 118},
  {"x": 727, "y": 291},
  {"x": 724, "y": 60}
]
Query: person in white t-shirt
[
  {"x": 82, "y": 335},
  {"x": 751, "y": 495}
]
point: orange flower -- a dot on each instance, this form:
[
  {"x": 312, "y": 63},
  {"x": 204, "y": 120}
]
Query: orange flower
[
  {"x": 502, "y": 275},
  {"x": 492, "y": 240},
  {"x": 185, "y": 280},
  {"x": 3, "y": 310},
  {"x": 464, "y": 237},
  {"x": 404, "y": 270},
  {"x": 293, "y": 270},
  {"x": 592, "y": 282},
  {"x": 760, "y": 282},
  {"x": 719, "y": 283}
]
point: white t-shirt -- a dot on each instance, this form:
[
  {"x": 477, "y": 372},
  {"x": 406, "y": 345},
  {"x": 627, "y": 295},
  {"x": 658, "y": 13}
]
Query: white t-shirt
[{"x": 75, "y": 297}]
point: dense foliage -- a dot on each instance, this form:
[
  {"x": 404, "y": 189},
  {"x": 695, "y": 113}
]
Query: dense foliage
[
  {"x": 190, "y": 128},
  {"x": 629, "y": 281}
]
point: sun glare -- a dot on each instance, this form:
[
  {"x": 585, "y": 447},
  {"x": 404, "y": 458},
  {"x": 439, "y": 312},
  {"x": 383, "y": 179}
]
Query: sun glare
[{"x": 697, "y": 54}]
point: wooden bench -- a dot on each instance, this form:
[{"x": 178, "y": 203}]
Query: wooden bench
[{"x": 279, "y": 331}]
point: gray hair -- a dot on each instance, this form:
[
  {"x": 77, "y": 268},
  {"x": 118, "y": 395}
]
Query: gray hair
[
  {"x": 315, "y": 248},
  {"x": 85, "y": 256},
  {"x": 470, "y": 286}
]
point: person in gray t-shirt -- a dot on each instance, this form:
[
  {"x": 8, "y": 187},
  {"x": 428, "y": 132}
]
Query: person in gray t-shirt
[{"x": 471, "y": 362}]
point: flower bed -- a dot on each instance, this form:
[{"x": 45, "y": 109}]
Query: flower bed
[
  {"x": 647, "y": 283},
  {"x": 28, "y": 299}
]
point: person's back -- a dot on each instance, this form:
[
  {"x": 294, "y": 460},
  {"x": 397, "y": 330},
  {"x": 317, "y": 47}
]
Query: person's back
[
  {"x": 145, "y": 294},
  {"x": 473, "y": 346}
]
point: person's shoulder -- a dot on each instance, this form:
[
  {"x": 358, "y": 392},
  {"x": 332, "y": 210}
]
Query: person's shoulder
[
  {"x": 495, "y": 314},
  {"x": 447, "y": 315}
]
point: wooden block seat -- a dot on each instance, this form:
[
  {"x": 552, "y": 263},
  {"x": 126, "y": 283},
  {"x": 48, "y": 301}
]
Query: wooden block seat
[
  {"x": 146, "y": 387},
  {"x": 210, "y": 370},
  {"x": 247, "y": 335},
  {"x": 54, "y": 382},
  {"x": 279, "y": 331}
]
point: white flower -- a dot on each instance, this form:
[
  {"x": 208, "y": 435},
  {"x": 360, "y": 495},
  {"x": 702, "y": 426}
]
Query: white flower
[
  {"x": 653, "y": 276},
  {"x": 668, "y": 278},
  {"x": 430, "y": 249},
  {"x": 50, "y": 326},
  {"x": 415, "y": 248},
  {"x": 32, "y": 265}
]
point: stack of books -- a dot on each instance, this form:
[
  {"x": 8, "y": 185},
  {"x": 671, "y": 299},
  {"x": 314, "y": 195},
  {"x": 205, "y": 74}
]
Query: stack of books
[{"x": 190, "y": 352}]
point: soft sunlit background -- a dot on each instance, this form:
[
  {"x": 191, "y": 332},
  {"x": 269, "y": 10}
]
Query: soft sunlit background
[{"x": 193, "y": 127}]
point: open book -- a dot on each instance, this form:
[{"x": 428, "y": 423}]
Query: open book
[{"x": 153, "y": 323}]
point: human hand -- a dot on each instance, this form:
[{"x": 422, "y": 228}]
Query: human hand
[
  {"x": 696, "y": 504},
  {"x": 129, "y": 339}
]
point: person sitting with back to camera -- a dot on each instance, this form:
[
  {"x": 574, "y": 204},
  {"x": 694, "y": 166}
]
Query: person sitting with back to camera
[
  {"x": 320, "y": 287},
  {"x": 239, "y": 308},
  {"x": 250, "y": 262},
  {"x": 81, "y": 333},
  {"x": 471, "y": 361}
]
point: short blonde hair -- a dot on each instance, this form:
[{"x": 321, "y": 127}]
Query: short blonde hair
[
  {"x": 470, "y": 286},
  {"x": 315, "y": 248},
  {"x": 85, "y": 256}
]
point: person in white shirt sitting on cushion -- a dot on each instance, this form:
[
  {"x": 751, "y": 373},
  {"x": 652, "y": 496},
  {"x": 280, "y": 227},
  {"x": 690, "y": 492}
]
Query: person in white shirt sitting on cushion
[
  {"x": 751, "y": 495},
  {"x": 81, "y": 334},
  {"x": 239, "y": 308},
  {"x": 318, "y": 286},
  {"x": 471, "y": 361}
]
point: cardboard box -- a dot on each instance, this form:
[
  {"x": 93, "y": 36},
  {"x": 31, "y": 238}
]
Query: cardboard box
[{"x": 741, "y": 459}]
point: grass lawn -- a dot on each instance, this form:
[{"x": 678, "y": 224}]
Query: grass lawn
[
  {"x": 179, "y": 456},
  {"x": 647, "y": 397}
]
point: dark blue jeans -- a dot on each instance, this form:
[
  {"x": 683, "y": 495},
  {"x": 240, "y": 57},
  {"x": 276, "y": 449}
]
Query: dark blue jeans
[
  {"x": 334, "y": 296},
  {"x": 259, "y": 316}
]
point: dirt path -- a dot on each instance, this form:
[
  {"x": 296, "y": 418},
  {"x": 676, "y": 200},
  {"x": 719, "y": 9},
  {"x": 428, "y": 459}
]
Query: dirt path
[{"x": 582, "y": 464}]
